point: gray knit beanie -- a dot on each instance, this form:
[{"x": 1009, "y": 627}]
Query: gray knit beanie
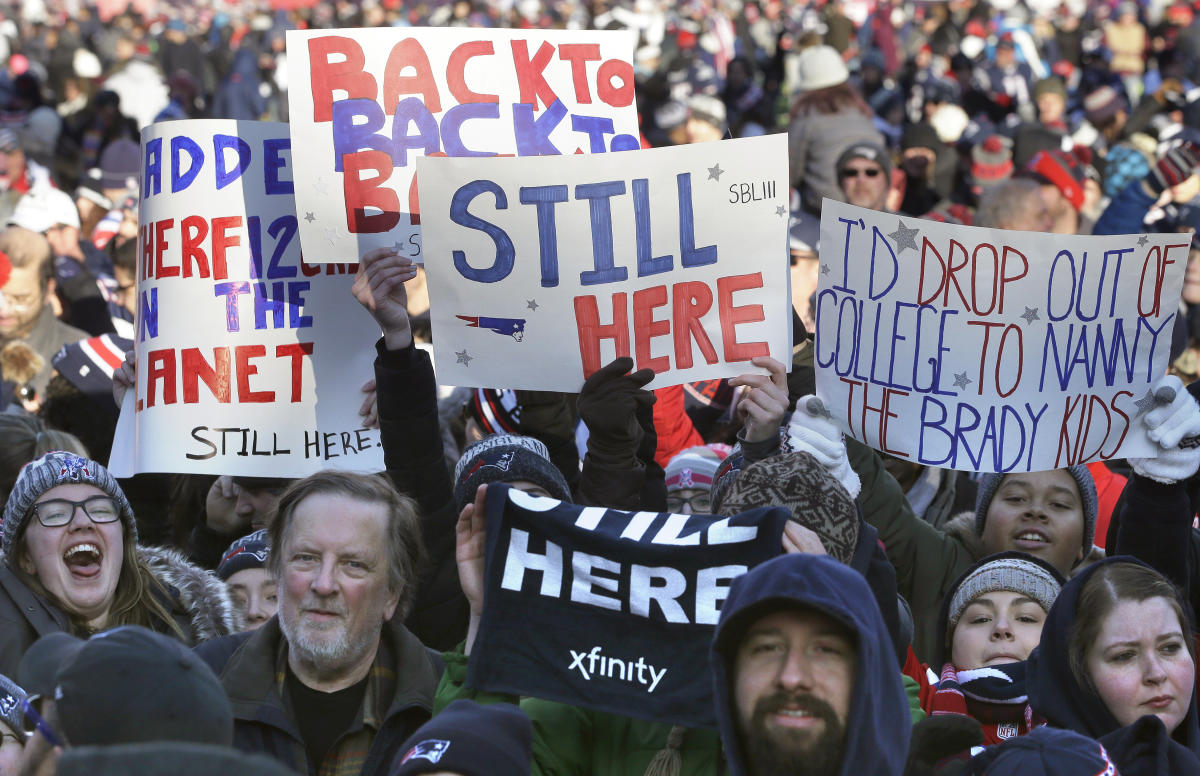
[
  {"x": 989, "y": 483},
  {"x": 506, "y": 458},
  {"x": 51, "y": 470},
  {"x": 1017, "y": 575}
]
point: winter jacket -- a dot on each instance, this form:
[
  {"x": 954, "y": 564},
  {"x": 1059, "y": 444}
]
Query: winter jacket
[
  {"x": 878, "y": 723},
  {"x": 252, "y": 667},
  {"x": 195, "y": 598},
  {"x": 815, "y": 141},
  {"x": 1055, "y": 694},
  {"x": 413, "y": 454}
]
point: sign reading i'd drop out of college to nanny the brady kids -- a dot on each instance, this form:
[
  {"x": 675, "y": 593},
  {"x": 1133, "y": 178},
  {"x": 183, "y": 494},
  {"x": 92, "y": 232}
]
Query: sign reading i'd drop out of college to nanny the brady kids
[
  {"x": 543, "y": 269},
  {"x": 248, "y": 359},
  {"x": 992, "y": 350},
  {"x": 364, "y": 104}
]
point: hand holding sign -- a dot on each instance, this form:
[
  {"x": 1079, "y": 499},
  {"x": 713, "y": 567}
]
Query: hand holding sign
[
  {"x": 379, "y": 287},
  {"x": 609, "y": 403},
  {"x": 765, "y": 401}
]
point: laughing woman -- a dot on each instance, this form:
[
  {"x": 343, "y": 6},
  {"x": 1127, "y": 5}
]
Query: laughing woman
[{"x": 69, "y": 561}]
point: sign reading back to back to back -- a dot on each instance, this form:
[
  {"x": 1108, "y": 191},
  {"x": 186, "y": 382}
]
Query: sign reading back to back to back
[
  {"x": 992, "y": 350},
  {"x": 364, "y": 104},
  {"x": 248, "y": 359},
  {"x": 542, "y": 270}
]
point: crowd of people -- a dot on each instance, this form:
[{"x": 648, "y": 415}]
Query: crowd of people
[{"x": 917, "y": 620}]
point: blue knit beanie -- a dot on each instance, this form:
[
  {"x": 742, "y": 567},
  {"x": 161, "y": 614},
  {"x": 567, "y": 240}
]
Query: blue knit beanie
[{"x": 988, "y": 484}]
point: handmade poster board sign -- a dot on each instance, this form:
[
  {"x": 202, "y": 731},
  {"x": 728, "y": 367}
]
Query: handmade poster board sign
[
  {"x": 365, "y": 104},
  {"x": 623, "y": 603},
  {"x": 249, "y": 360},
  {"x": 992, "y": 350},
  {"x": 543, "y": 269}
]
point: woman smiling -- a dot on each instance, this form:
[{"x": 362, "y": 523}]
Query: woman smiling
[{"x": 71, "y": 562}]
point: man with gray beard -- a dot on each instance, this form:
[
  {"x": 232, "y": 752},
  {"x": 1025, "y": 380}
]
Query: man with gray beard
[{"x": 334, "y": 683}]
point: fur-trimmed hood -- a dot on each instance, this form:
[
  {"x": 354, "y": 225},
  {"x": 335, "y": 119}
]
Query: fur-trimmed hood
[{"x": 197, "y": 593}]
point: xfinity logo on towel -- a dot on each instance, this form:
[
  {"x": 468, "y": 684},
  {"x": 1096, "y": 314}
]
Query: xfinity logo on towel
[{"x": 594, "y": 664}]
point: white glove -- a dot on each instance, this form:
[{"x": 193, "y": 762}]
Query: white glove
[
  {"x": 1167, "y": 425},
  {"x": 811, "y": 431}
]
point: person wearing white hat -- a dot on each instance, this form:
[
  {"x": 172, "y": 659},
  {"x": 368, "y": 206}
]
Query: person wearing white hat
[{"x": 827, "y": 117}]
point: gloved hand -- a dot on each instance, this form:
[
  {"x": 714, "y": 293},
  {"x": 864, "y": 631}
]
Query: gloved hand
[
  {"x": 811, "y": 431},
  {"x": 609, "y": 404},
  {"x": 1175, "y": 167},
  {"x": 935, "y": 739},
  {"x": 1167, "y": 425}
]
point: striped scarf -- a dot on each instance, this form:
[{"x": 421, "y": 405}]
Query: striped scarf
[{"x": 995, "y": 696}]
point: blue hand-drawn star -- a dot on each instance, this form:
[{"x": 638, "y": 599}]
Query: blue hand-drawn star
[
  {"x": 463, "y": 357},
  {"x": 532, "y": 305},
  {"x": 1143, "y": 240},
  {"x": 904, "y": 237},
  {"x": 824, "y": 269},
  {"x": 1146, "y": 403},
  {"x": 961, "y": 380},
  {"x": 715, "y": 172},
  {"x": 1031, "y": 314},
  {"x": 309, "y": 217},
  {"x": 780, "y": 210}
]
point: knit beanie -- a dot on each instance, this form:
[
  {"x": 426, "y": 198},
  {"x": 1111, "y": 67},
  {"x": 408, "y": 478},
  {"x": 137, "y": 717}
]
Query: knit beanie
[
  {"x": 248, "y": 552},
  {"x": 51, "y": 470},
  {"x": 1101, "y": 105},
  {"x": 695, "y": 467},
  {"x": 1011, "y": 571},
  {"x": 799, "y": 482},
  {"x": 1123, "y": 165},
  {"x": 869, "y": 151},
  {"x": 988, "y": 484},
  {"x": 1063, "y": 171},
  {"x": 471, "y": 739},
  {"x": 991, "y": 161},
  {"x": 726, "y": 473},
  {"x": 1050, "y": 85},
  {"x": 707, "y": 108},
  {"x": 921, "y": 135},
  {"x": 506, "y": 458},
  {"x": 1044, "y": 751}
]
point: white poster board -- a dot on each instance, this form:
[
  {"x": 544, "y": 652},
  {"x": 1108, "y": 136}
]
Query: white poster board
[
  {"x": 543, "y": 269},
  {"x": 365, "y": 104},
  {"x": 992, "y": 350},
  {"x": 249, "y": 361}
]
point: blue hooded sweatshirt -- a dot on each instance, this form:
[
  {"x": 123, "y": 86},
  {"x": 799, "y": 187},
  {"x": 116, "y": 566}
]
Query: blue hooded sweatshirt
[{"x": 879, "y": 723}]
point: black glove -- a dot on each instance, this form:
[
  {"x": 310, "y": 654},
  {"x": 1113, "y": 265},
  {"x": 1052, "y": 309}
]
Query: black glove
[
  {"x": 935, "y": 739},
  {"x": 609, "y": 403}
]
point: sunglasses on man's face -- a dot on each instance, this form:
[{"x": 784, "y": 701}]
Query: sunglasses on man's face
[{"x": 850, "y": 172}]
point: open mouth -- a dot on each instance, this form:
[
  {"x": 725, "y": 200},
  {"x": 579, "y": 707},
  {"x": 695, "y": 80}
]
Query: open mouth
[
  {"x": 1031, "y": 539},
  {"x": 83, "y": 560},
  {"x": 795, "y": 718}
]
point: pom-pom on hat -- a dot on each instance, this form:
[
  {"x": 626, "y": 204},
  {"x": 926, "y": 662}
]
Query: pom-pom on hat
[{"x": 991, "y": 161}]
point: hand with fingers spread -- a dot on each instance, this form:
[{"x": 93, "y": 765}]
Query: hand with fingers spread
[
  {"x": 470, "y": 541},
  {"x": 764, "y": 401},
  {"x": 369, "y": 411},
  {"x": 379, "y": 287},
  {"x": 124, "y": 378}
]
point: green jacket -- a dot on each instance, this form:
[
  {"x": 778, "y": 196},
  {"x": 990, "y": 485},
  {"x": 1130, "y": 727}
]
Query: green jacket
[
  {"x": 927, "y": 560},
  {"x": 570, "y": 741}
]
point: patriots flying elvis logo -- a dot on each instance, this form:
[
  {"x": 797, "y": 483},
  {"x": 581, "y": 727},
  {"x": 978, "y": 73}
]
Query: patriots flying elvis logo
[
  {"x": 430, "y": 749},
  {"x": 515, "y": 327}
]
